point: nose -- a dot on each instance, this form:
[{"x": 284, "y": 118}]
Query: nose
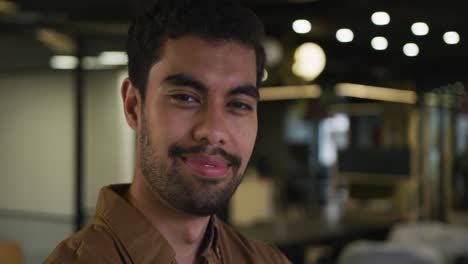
[{"x": 211, "y": 127}]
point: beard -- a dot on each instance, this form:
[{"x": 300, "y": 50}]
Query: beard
[{"x": 187, "y": 193}]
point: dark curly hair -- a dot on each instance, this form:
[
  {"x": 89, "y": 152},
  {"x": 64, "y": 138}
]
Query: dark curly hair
[{"x": 171, "y": 19}]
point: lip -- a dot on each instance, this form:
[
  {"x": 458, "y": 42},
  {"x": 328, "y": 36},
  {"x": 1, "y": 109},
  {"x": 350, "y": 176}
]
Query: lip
[{"x": 208, "y": 166}]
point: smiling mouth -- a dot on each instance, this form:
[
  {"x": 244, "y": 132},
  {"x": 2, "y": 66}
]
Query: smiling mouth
[{"x": 212, "y": 167}]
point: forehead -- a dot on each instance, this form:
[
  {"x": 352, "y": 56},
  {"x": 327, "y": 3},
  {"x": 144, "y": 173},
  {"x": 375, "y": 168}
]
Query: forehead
[
  {"x": 195, "y": 45},
  {"x": 204, "y": 58}
]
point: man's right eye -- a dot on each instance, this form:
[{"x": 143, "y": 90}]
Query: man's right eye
[{"x": 183, "y": 98}]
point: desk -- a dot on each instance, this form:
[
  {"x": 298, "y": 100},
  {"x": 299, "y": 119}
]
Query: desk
[{"x": 293, "y": 237}]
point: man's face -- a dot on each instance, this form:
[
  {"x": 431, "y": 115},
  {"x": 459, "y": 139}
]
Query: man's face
[{"x": 199, "y": 122}]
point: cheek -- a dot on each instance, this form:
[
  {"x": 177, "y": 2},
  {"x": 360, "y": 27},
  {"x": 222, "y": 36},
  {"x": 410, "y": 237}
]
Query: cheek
[
  {"x": 247, "y": 142},
  {"x": 246, "y": 135},
  {"x": 166, "y": 128},
  {"x": 172, "y": 128},
  {"x": 167, "y": 115}
]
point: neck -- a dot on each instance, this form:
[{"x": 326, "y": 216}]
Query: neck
[{"x": 184, "y": 232}]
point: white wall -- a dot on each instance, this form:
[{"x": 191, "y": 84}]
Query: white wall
[
  {"x": 36, "y": 142},
  {"x": 110, "y": 142},
  {"x": 37, "y": 135}
]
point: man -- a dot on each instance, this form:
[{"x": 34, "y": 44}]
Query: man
[{"x": 191, "y": 96}]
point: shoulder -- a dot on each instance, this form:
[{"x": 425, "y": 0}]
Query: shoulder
[
  {"x": 94, "y": 244},
  {"x": 257, "y": 250}
]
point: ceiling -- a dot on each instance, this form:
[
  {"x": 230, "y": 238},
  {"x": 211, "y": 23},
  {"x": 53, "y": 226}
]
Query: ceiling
[{"x": 102, "y": 25}]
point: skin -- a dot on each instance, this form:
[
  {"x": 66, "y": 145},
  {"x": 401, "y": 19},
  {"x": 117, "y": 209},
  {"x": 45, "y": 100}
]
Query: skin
[{"x": 201, "y": 94}]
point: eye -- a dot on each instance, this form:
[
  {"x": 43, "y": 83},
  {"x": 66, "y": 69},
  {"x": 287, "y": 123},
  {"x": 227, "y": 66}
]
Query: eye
[
  {"x": 237, "y": 105},
  {"x": 183, "y": 98}
]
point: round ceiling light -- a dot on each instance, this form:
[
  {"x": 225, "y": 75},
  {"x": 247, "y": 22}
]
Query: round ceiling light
[{"x": 310, "y": 61}]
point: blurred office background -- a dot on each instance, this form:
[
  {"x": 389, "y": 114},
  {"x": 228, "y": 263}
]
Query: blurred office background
[{"x": 363, "y": 127}]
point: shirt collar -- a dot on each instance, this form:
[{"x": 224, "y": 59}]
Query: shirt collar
[{"x": 144, "y": 243}]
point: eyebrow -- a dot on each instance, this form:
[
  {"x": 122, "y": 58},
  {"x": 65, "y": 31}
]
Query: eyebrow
[
  {"x": 186, "y": 80},
  {"x": 249, "y": 90}
]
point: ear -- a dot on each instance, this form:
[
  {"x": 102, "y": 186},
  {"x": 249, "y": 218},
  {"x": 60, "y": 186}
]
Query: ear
[{"x": 132, "y": 103}]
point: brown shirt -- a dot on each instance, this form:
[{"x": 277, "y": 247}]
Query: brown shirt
[{"x": 121, "y": 234}]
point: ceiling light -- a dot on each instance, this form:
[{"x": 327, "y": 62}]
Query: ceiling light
[
  {"x": 113, "y": 58},
  {"x": 93, "y": 63},
  {"x": 289, "y": 92},
  {"x": 451, "y": 37},
  {"x": 309, "y": 62},
  {"x": 420, "y": 29},
  {"x": 376, "y": 93},
  {"x": 380, "y": 18},
  {"x": 379, "y": 43},
  {"x": 58, "y": 42},
  {"x": 8, "y": 7},
  {"x": 274, "y": 52},
  {"x": 411, "y": 49},
  {"x": 344, "y": 35},
  {"x": 265, "y": 75},
  {"x": 301, "y": 26},
  {"x": 63, "y": 62}
]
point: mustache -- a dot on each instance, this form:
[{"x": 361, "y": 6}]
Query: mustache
[{"x": 178, "y": 151}]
